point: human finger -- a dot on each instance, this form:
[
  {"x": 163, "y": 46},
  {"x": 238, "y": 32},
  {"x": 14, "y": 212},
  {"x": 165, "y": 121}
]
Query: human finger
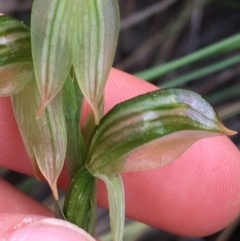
[
  {"x": 196, "y": 195},
  {"x": 21, "y": 216},
  {"x": 14, "y": 201},
  {"x": 38, "y": 228}
]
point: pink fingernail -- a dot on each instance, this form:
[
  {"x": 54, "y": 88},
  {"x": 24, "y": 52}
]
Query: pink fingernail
[{"x": 49, "y": 229}]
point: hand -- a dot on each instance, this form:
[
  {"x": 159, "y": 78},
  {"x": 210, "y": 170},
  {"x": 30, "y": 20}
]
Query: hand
[{"x": 196, "y": 195}]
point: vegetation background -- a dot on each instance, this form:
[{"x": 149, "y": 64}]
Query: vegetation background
[{"x": 153, "y": 33}]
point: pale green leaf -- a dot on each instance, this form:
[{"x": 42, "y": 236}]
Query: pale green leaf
[
  {"x": 96, "y": 32},
  {"x": 45, "y": 139},
  {"x": 116, "y": 204},
  {"x": 50, "y": 23},
  {"x": 151, "y": 131},
  {"x": 16, "y": 68},
  {"x": 82, "y": 33}
]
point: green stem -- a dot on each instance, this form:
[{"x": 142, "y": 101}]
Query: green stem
[
  {"x": 202, "y": 72},
  {"x": 217, "y": 48},
  {"x": 76, "y": 149},
  {"x": 223, "y": 95}
]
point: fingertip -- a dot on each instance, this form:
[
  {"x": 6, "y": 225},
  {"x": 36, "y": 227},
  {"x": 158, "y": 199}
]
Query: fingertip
[
  {"x": 201, "y": 191},
  {"x": 40, "y": 228},
  {"x": 13, "y": 200},
  {"x": 12, "y": 152},
  {"x": 196, "y": 195}
]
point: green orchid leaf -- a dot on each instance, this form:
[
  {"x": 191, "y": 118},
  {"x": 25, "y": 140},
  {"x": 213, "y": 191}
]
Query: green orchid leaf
[
  {"x": 16, "y": 69},
  {"x": 76, "y": 149},
  {"x": 50, "y": 23},
  {"x": 45, "y": 139},
  {"x": 116, "y": 202},
  {"x": 80, "y": 201},
  {"x": 96, "y": 33},
  {"x": 82, "y": 33},
  {"x": 151, "y": 131}
]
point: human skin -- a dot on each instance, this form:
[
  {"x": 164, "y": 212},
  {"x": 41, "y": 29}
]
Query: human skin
[{"x": 196, "y": 195}]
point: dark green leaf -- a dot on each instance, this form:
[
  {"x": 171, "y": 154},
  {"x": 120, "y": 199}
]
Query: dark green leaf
[
  {"x": 16, "y": 68},
  {"x": 151, "y": 131},
  {"x": 76, "y": 150},
  {"x": 80, "y": 201}
]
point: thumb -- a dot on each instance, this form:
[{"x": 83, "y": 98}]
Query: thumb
[{"x": 37, "y": 228}]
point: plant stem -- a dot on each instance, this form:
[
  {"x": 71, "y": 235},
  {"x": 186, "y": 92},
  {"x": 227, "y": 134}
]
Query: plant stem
[
  {"x": 194, "y": 75},
  {"x": 214, "y": 49}
]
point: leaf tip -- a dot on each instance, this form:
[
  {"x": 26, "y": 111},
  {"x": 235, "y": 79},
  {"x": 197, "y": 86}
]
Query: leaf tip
[
  {"x": 53, "y": 186},
  {"x": 227, "y": 131},
  {"x": 96, "y": 117},
  {"x": 41, "y": 108},
  {"x": 95, "y": 112}
]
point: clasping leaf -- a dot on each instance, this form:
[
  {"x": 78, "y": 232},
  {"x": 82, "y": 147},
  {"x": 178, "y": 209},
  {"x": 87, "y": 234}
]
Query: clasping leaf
[
  {"x": 50, "y": 49},
  {"x": 45, "y": 139},
  {"x": 151, "y": 131},
  {"x": 147, "y": 132},
  {"x": 96, "y": 27},
  {"x": 79, "y": 33}
]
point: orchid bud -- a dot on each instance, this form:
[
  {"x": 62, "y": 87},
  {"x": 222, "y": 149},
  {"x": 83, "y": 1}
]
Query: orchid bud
[
  {"x": 93, "y": 58},
  {"x": 79, "y": 33},
  {"x": 50, "y": 49}
]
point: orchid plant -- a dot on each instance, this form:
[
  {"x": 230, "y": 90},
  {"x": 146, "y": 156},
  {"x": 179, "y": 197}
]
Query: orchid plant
[{"x": 50, "y": 69}]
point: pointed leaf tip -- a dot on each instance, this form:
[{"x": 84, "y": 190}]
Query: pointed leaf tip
[
  {"x": 151, "y": 131},
  {"x": 93, "y": 57},
  {"x": 46, "y": 138},
  {"x": 53, "y": 186},
  {"x": 50, "y": 47},
  {"x": 227, "y": 131},
  {"x": 41, "y": 108},
  {"x": 96, "y": 115}
]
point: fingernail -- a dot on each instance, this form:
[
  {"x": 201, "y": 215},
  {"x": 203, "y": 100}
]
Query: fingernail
[{"x": 49, "y": 229}]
